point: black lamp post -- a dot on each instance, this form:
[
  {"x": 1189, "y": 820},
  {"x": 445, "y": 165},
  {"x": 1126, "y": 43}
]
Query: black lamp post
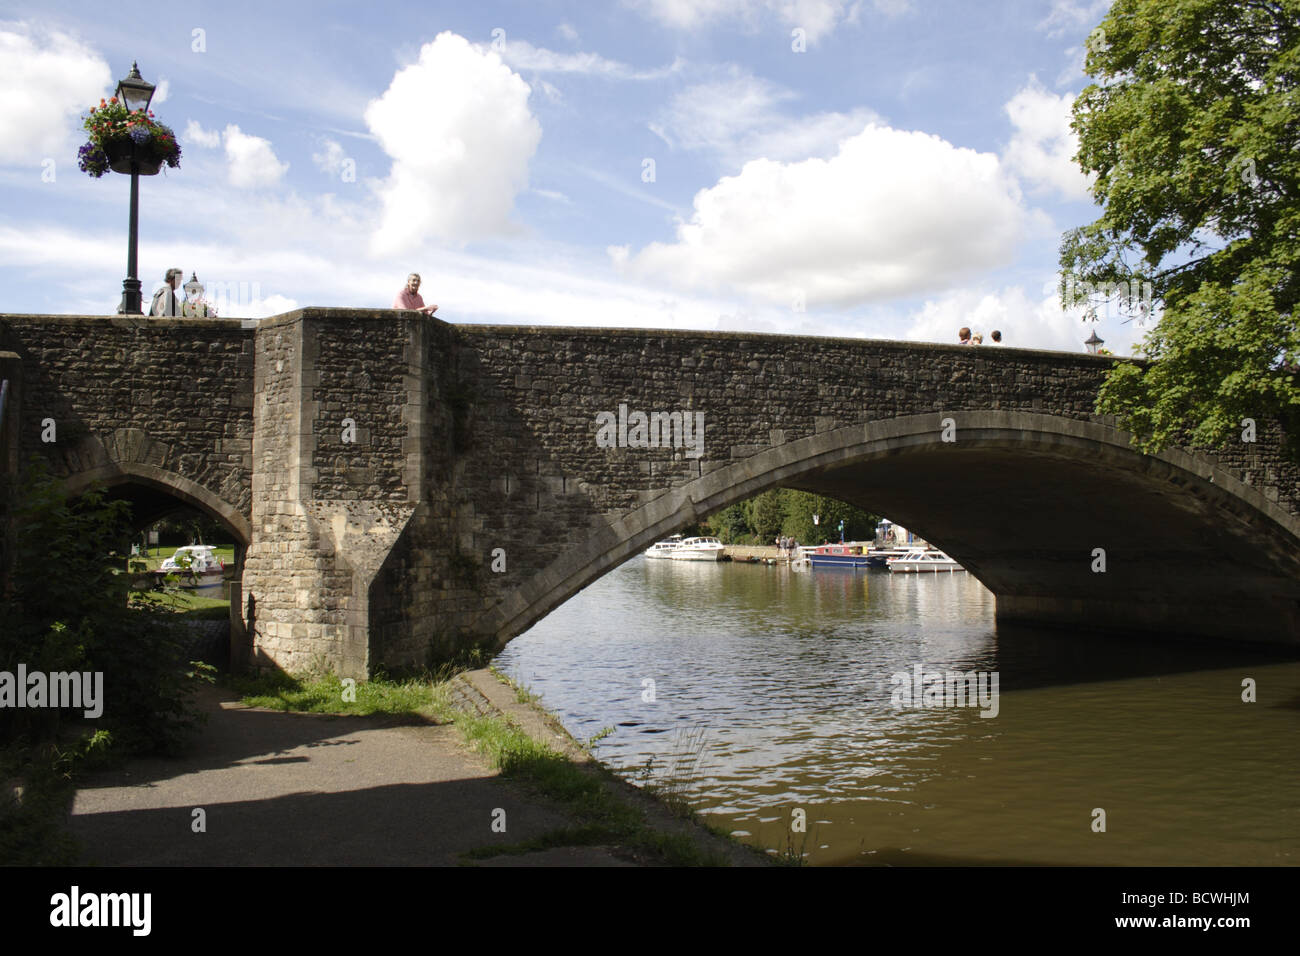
[
  {"x": 1093, "y": 342},
  {"x": 134, "y": 93}
]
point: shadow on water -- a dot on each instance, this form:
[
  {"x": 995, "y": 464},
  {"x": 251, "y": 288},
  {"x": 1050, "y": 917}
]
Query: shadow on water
[{"x": 1029, "y": 657}]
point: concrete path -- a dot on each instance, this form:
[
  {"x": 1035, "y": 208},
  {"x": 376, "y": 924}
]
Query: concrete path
[{"x": 305, "y": 789}]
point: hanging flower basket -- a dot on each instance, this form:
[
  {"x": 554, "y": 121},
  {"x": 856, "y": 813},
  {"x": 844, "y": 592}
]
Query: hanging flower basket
[{"x": 119, "y": 137}]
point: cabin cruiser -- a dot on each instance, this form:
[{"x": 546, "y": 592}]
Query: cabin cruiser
[
  {"x": 197, "y": 566},
  {"x": 664, "y": 548},
  {"x": 698, "y": 549},
  {"x": 919, "y": 559}
]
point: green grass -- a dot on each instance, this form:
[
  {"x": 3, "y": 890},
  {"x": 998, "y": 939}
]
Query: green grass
[
  {"x": 604, "y": 818},
  {"x": 328, "y": 694},
  {"x": 191, "y": 606}
]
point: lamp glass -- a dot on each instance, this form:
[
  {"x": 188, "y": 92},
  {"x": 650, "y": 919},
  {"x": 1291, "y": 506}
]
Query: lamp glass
[{"x": 134, "y": 91}]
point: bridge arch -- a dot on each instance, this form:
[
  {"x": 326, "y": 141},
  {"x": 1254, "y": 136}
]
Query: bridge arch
[
  {"x": 161, "y": 481},
  {"x": 1174, "y": 526}
]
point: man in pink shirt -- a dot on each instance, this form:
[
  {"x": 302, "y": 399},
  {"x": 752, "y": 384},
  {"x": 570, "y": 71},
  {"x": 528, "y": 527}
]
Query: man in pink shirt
[{"x": 409, "y": 298}]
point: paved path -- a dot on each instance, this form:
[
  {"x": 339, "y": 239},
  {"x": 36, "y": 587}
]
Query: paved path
[{"x": 306, "y": 789}]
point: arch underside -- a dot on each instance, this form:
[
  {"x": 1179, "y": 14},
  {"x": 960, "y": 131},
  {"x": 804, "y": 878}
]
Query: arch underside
[
  {"x": 1023, "y": 501},
  {"x": 155, "y": 493}
]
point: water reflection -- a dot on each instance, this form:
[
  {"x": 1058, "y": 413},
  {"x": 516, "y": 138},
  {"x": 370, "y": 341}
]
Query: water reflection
[{"x": 789, "y": 677}]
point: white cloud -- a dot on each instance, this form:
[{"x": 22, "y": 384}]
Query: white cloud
[
  {"x": 1073, "y": 16},
  {"x": 251, "y": 163},
  {"x": 1025, "y": 322},
  {"x": 51, "y": 79},
  {"x": 739, "y": 118},
  {"x": 522, "y": 55},
  {"x": 1043, "y": 145},
  {"x": 459, "y": 131},
  {"x": 816, "y": 17},
  {"x": 260, "y": 308},
  {"x": 891, "y": 213},
  {"x": 198, "y": 136},
  {"x": 567, "y": 31},
  {"x": 330, "y": 159},
  {"x": 161, "y": 91}
]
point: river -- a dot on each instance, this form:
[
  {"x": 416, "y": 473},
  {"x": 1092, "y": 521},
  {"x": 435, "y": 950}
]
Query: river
[{"x": 766, "y": 697}]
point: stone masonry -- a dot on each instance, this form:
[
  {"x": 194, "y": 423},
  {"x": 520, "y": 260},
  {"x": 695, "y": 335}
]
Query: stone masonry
[{"x": 405, "y": 488}]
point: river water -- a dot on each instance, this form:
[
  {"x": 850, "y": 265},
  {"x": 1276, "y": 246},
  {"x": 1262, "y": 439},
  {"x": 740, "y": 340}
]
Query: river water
[{"x": 756, "y": 693}]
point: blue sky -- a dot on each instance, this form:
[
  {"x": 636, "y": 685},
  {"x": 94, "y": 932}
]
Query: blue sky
[{"x": 880, "y": 168}]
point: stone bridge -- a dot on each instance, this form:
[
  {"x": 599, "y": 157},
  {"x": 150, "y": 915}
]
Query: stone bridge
[{"x": 400, "y": 488}]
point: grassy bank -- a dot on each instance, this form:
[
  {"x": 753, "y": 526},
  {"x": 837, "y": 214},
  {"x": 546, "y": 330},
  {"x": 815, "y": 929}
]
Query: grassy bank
[{"x": 603, "y": 807}]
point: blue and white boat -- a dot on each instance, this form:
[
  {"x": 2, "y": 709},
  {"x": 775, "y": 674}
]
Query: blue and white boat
[{"x": 847, "y": 555}]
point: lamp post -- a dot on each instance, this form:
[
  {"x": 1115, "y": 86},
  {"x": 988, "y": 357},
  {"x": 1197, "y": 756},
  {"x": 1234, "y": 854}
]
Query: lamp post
[
  {"x": 134, "y": 93},
  {"x": 1093, "y": 342}
]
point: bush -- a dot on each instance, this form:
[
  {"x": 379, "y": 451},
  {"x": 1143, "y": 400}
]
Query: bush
[{"x": 67, "y": 610}]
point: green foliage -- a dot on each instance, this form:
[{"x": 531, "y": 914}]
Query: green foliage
[
  {"x": 68, "y": 611},
  {"x": 728, "y": 525},
  {"x": 1193, "y": 132},
  {"x": 766, "y": 514},
  {"x": 801, "y": 506},
  {"x": 784, "y": 511}
]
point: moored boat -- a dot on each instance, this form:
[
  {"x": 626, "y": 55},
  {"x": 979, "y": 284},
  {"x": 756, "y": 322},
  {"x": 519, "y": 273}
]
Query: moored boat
[
  {"x": 920, "y": 560},
  {"x": 196, "y": 565},
  {"x": 664, "y": 548},
  {"x": 698, "y": 549},
  {"x": 848, "y": 555}
]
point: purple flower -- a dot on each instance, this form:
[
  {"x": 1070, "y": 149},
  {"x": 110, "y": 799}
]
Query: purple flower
[
  {"x": 91, "y": 159},
  {"x": 139, "y": 134}
]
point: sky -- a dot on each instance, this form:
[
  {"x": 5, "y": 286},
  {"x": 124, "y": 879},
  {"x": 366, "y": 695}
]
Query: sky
[{"x": 888, "y": 169}]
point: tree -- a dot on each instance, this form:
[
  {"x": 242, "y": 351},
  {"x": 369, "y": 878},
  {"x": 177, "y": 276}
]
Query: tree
[
  {"x": 1193, "y": 131},
  {"x": 766, "y": 513},
  {"x": 728, "y": 525},
  {"x": 67, "y": 610},
  {"x": 799, "y": 511}
]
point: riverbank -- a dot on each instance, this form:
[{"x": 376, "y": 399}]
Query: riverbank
[
  {"x": 744, "y": 552},
  {"x": 475, "y": 774}
]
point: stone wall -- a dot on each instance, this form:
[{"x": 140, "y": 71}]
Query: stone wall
[
  {"x": 169, "y": 396},
  {"x": 468, "y": 493},
  {"x": 515, "y": 476}
]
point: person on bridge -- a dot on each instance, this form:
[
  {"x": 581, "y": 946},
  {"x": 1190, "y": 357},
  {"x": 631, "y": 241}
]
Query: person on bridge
[
  {"x": 410, "y": 298},
  {"x": 164, "y": 300},
  {"x": 996, "y": 336},
  {"x": 963, "y": 336}
]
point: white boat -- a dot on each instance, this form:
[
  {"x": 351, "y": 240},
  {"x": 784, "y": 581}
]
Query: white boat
[
  {"x": 698, "y": 549},
  {"x": 196, "y": 565},
  {"x": 919, "y": 559},
  {"x": 664, "y": 548}
]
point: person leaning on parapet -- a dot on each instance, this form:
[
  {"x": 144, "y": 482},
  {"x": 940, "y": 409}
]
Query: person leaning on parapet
[
  {"x": 996, "y": 336},
  {"x": 410, "y": 298},
  {"x": 164, "y": 300},
  {"x": 963, "y": 336}
]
